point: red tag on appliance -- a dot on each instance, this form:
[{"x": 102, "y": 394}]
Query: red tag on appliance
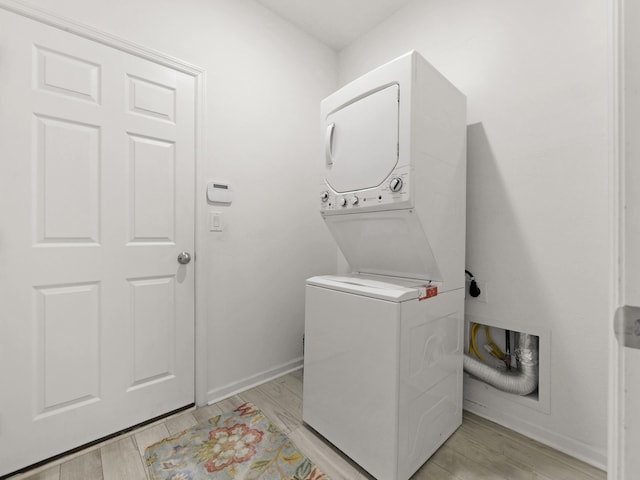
[{"x": 430, "y": 292}]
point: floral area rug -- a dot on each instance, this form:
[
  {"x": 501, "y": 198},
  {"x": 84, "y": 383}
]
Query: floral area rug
[{"x": 240, "y": 445}]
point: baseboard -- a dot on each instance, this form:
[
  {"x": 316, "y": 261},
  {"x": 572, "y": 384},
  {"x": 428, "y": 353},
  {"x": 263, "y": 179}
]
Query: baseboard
[
  {"x": 234, "y": 388},
  {"x": 586, "y": 453}
]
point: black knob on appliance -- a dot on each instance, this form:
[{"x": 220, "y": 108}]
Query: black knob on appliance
[{"x": 395, "y": 185}]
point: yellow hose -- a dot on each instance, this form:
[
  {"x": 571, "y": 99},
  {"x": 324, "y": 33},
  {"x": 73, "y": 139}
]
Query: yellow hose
[
  {"x": 495, "y": 350},
  {"x": 472, "y": 341}
]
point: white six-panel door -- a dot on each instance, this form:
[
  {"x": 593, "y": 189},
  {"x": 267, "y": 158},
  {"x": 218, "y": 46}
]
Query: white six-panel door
[{"x": 96, "y": 182}]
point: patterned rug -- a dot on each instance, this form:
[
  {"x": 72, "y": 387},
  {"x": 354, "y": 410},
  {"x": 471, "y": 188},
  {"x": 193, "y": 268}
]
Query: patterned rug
[{"x": 240, "y": 445}]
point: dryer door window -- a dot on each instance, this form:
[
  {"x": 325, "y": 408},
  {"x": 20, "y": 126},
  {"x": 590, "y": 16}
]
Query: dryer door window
[{"x": 361, "y": 141}]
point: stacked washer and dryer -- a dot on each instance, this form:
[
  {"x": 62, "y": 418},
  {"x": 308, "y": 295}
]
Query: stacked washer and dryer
[{"x": 383, "y": 344}]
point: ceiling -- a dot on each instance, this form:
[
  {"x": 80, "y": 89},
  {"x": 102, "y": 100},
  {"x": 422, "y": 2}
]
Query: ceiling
[{"x": 335, "y": 22}]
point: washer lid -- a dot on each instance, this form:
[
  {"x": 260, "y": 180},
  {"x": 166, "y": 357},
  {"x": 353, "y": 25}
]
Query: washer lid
[
  {"x": 391, "y": 243},
  {"x": 383, "y": 288}
]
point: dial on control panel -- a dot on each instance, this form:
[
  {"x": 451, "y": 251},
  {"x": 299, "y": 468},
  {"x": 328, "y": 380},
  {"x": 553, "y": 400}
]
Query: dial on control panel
[
  {"x": 395, "y": 185},
  {"x": 342, "y": 202},
  {"x": 324, "y": 196},
  {"x": 354, "y": 200}
]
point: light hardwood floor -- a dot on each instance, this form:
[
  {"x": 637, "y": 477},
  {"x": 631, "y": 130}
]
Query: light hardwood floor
[{"x": 478, "y": 450}]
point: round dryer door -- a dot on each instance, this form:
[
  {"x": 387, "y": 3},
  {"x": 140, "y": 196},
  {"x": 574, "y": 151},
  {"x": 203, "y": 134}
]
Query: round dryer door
[{"x": 361, "y": 141}]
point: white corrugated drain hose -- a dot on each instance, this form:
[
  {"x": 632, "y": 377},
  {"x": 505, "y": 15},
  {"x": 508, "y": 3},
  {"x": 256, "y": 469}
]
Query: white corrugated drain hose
[{"x": 521, "y": 382}]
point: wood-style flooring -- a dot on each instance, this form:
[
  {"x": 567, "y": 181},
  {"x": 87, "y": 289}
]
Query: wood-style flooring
[{"x": 479, "y": 449}]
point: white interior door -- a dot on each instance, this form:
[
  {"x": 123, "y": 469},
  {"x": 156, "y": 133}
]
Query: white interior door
[{"x": 96, "y": 175}]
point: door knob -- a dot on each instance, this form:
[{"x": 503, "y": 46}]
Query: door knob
[{"x": 184, "y": 258}]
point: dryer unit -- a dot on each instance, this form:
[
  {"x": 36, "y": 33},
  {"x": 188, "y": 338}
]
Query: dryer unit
[
  {"x": 383, "y": 345},
  {"x": 395, "y": 144}
]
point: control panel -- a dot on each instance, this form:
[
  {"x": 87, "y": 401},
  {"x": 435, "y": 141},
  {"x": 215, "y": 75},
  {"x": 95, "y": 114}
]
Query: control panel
[{"x": 393, "y": 193}]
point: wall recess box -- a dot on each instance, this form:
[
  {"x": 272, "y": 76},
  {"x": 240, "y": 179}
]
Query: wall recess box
[{"x": 492, "y": 403}]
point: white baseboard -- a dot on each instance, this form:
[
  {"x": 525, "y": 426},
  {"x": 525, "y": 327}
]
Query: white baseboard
[
  {"x": 234, "y": 388},
  {"x": 586, "y": 453}
]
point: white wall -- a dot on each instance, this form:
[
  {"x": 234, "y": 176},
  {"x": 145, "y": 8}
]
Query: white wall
[
  {"x": 265, "y": 80},
  {"x": 535, "y": 75}
]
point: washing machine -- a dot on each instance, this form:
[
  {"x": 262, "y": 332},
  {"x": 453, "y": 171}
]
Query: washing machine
[{"x": 383, "y": 344}]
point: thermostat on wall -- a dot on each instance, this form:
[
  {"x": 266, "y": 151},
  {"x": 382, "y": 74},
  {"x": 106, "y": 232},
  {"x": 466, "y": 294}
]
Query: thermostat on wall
[{"x": 219, "y": 193}]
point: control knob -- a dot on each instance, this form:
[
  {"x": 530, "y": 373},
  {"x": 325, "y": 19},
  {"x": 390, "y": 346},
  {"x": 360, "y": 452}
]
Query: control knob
[
  {"x": 354, "y": 200},
  {"x": 324, "y": 196},
  {"x": 395, "y": 185},
  {"x": 343, "y": 202}
]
